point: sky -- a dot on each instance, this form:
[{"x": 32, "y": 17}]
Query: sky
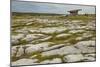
[{"x": 40, "y": 7}]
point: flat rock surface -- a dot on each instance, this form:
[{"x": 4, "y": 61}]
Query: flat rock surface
[
  {"x": 74, "y": 58},
  {"x": 24, "y": 62},
  {"x": 51, "y": 39}
]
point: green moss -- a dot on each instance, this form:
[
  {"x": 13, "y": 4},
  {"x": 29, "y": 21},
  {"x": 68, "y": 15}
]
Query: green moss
[
  {"x": 14, "y": 58},
  {"x": 40, "y": 58},
  {"x": 72, "y": 38},
  {"x": 81, "y": 17},
  {"x": 14, "y": 33}
]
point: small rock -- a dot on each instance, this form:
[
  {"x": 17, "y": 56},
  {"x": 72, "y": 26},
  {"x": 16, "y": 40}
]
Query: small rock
[
  {"x": 79, "y": 38},
  {"x": 55, "y": 60},
  {"x": 31, "y": 37},
  {"x": 87, "y": 35},
  {"x": 53, "y": 30},
  {"x": 85, "y": 43},
  {"x": 19, "y": 36},
  {"x": 13, "y": 51},
  {"x": 62, "y": 35},
  {"x": 15, "y": 39},
  {"x": 90, "y": 55},
  {"x": 54, "y": 47},
  {"x": 62, "y": 51},
  {"x": 86, "y": 46},
  {"x": 14, "y": 42},
  {"x": 89, "y": 58},
  {"x": 29, "y": 23},
  {"x": 69, "y": 50},
  {"x": 32, "y": 49},
  {"x": 20, "y": 52},
  {"x": 45, "y": 62},
  {"x": 47, "y": 38},
  {"x": 37, "y": 47},
  {"x": 24, "y": 62},
  {"x": 76, "y": 31},
  {"x": 76, "y": 21},
  {"x": 23, "y": 30},
  {"x": 33, "y": 30},
  {"x": 74, "y": 58}
]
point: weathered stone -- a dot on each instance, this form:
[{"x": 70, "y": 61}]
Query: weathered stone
[
  {"x": 32, "y": 49},
  {"x": 20, "y": 52},
  {"x": 53, "y": 30},
  {"x": 33, "y": 30},
  {"x": 69, "y": 50},
  {"x": 76, "y": 21},
  {"x": 37, "y": 47},
  {"x": 15, "y": 42},
  {"x": 45, "y": 62},
  {"x": 19, "y": 36},
  {"x": 54, "y": 47},
  {"x": 89, "y": 58},
  {"x": 79, "y": 38},
  {"x": 62, "y": 51},
  {"x": 76, "y": 31},
  {"x": 73, "y": 58},
  {"x": 23, "y": 30},
  {"x": 15, "y": 39},
  {"x": 13, "y": 51},
  {"x": 29, "y": 23},
  {"x": 86, "y": 46},
  {"x": 55, "y": 60},
  {"x": 47, "y": 38},
  {"x": 63, "y": 35},
  {"x": 90, "y": 55},
  {"x": 85, "y": 43},
  {"x": 24, "y": 62},
  {"x": 87, "y": 35},
  {"x": 31, "y": 37}
]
